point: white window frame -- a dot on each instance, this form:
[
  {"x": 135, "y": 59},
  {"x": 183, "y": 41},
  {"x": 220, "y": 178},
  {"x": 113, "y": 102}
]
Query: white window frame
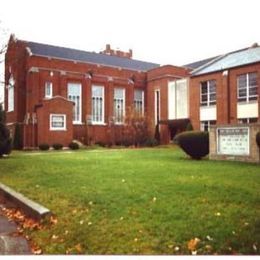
[
  {"x": 94, "y": 121},
  {"x": 10, "y": 98},
  {"x": 48, "y": 84},
  {"x": 209, "y": 101},
  {"x": 155, "y": 106},
  {"x": 135, "y": 102},
  {"x": 76, "y": 122},
  {"x": 52, "y": 128},
  {"x": 247, "y": 97},
  {"x": 10, "y": 94},
  {"x": 123, "y": 103}
]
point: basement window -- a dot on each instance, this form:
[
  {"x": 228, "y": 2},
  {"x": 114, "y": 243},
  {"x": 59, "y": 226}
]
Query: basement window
[
  {"x": 205, "y": 125},
  {"x": 247, "y": 120},
  {"x": 57, "y": 122}
]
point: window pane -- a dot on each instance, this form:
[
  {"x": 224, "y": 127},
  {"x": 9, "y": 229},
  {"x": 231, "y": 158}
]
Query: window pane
[
  {"x": 212, "y": 97},
  {"x": 204, "y": 87},
  {"x": 242, "y": 92},
  {"x": 252, "y": 79},
  {"x": 74, "y": 94},
  {"x": 252, "y": 91},
  {"x": 97, "y": 91},
  {"x": 212, "y": 86},
  {"x": 58, "y": 121},
  {"x": 204, "y": 98},
  {"x": 119, "y": 104},
  {"x": 97, "y": 104},
  {"x": 242, "y": 81},
  {"x": 138, "y": 94}
]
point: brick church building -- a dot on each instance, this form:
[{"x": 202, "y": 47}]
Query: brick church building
[{"x": 60, "y": 94}]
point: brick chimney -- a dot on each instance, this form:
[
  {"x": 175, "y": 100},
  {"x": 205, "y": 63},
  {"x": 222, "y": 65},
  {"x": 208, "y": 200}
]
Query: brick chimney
[{"x": 118, "y": 53}]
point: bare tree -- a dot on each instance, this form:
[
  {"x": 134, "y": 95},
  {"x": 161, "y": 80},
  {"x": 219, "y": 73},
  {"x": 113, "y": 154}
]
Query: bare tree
[{"x": 4, "y": 34}]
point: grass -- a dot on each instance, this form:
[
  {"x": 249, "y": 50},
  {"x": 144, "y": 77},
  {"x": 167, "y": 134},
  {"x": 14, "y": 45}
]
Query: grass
[{"x": 147, "y": 201}]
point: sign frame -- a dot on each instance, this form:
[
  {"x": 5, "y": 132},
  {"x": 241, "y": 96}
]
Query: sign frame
[{"x": 232, "y": 154}]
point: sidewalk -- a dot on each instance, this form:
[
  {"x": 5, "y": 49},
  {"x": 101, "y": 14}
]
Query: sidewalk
[{"x": 10, "y": 242}]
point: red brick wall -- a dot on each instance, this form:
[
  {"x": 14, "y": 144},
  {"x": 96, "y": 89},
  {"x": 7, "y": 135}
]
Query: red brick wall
[
  {"x": 54, "y": 106},
  {"x": 226, "y": 94},
  {"x": 15, "y": 60},
  {"x": 158, "y": 80}
]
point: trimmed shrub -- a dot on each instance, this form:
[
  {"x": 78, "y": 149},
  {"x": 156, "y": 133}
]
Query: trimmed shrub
[
  {"x": 194, "y": 143},
  {"x": 151, "y": 142},
  {"x": 74, "y": 146},
  {"x": 17, "y": 143},
  {"x": 57, "y": 146},
  {"x": 5, "y": 139},
  {"x": 44, "y": 147},
  {"x": 258, "y": 139},
  {"x": 189, "y": 127}
]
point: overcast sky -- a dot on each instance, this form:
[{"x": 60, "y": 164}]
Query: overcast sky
[{"x": 162, "y": 31}]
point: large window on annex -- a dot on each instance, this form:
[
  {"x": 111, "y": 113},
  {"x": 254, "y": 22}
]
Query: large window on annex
[
  {"x": 74, "y": 94},
  {"x": 119, "y": 105},
  {"x": 208, "y": 93},
  {"x": 247, "y": 87},
  {"x": 97, "y": 104}
]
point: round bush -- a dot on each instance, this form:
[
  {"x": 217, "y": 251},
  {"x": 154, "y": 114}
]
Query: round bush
[
  {"x": 258, "y": 139},
  {"x": 73, "y": 146},
  {"x": 44, "y": 147},
  {"x": 194, "y": 143},
  {"x": 57, "y": 146}
]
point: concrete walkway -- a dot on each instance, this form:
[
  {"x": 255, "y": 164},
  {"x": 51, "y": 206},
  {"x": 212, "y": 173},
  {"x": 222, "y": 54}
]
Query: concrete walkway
[{"x": 10, "y": 242}]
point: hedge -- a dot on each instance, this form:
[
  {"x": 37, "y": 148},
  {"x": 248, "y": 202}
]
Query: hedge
[{"x": 194, "y": 143}]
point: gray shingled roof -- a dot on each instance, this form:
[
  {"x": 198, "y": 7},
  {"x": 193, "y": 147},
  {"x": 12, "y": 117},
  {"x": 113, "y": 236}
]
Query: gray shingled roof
[
  {"x": 197, "y": 64},
  {"x": 231, "y": 60},
  {"x": 40, "y": 49}
]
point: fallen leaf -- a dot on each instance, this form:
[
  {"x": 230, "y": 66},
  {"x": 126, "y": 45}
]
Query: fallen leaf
[
  {"x": 53, "y": 220},
  {"x": 54, "y": 237},
  {"x": 209, "y": 238},
  {"x": 176, "y": 248},
  {"x": 78, "y": 248},
  {"x": 66, "y": 232},
  {"x": 192, "y": 244},
  {"x": 208, "y": 247},
  {"x": 37, "y": 252}
]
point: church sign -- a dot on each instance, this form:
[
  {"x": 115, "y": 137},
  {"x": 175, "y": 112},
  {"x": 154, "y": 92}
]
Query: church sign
[{"x": 233, "y": 141}]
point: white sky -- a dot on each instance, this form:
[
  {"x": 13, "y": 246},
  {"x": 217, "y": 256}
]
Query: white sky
[{"x": 166, "y": 31}]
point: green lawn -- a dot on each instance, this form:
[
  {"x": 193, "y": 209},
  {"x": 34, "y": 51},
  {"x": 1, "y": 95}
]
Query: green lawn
[{"x": 147, "y": 201}]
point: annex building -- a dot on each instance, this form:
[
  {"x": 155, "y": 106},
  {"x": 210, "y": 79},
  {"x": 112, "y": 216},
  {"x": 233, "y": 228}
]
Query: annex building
[{"x": 59, "y": 94}]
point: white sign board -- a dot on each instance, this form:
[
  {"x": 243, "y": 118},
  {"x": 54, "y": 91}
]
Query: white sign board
[{"x": 233, "y": 141}]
